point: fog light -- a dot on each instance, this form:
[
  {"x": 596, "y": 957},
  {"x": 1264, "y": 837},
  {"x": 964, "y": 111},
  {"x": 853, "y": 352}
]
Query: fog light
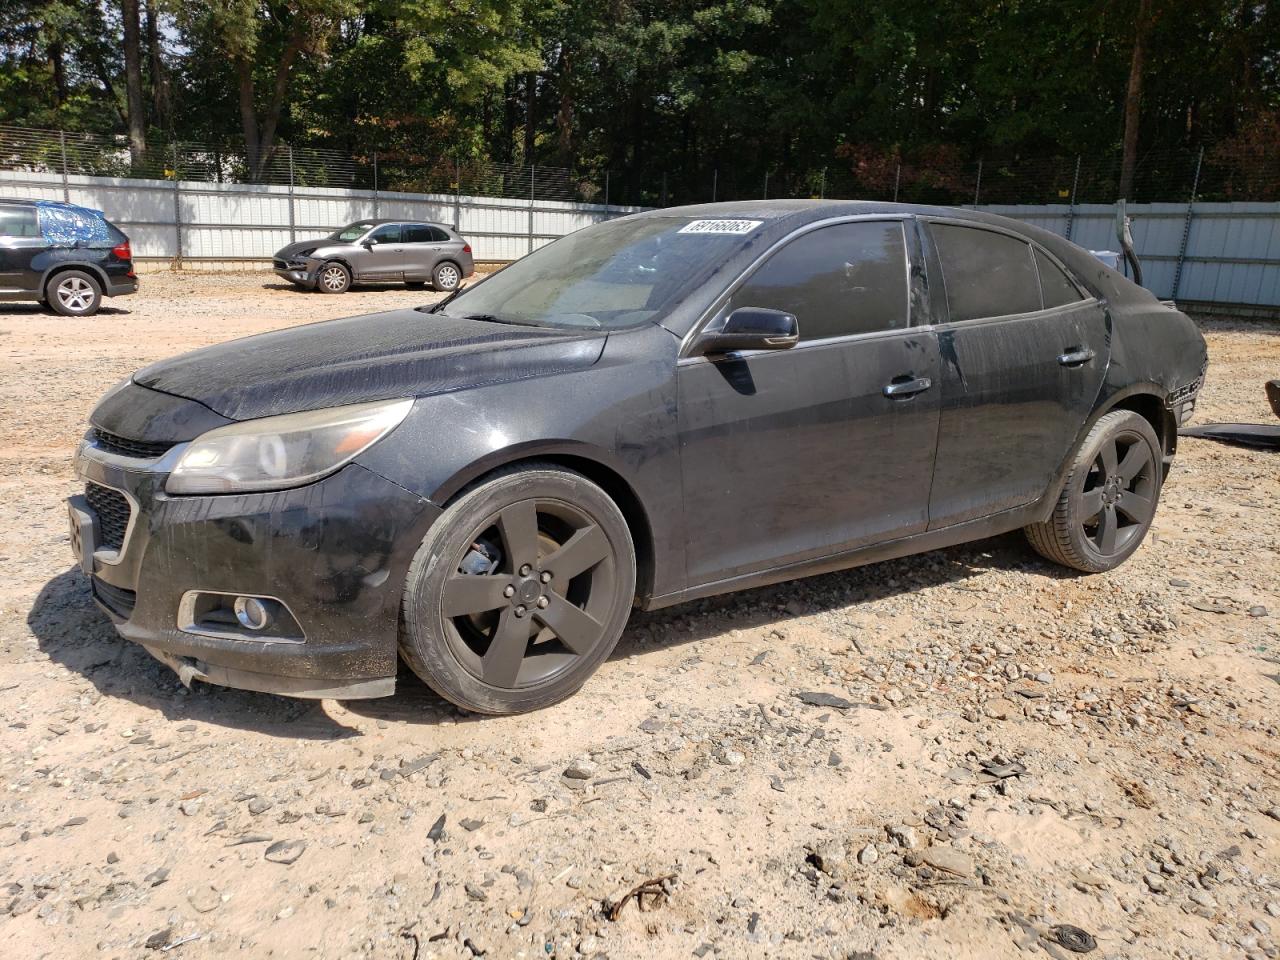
[{"x": 252, "y": 613}]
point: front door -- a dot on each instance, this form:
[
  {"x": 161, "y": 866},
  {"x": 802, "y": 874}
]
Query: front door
[
  {"x": 383, "y": 255},
  {"x": 1023, "y": 359},
  {"x": 797, "y": 454}
]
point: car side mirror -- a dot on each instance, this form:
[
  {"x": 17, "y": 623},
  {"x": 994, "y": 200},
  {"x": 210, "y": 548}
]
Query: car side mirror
[
  {"x": 367, "y": 244},
  {"x": 752, "y": 328}
]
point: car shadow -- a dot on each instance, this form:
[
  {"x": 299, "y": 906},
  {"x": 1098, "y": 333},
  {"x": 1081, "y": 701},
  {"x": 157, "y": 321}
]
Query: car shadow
[
  {"x": 73, "y": 632},
  {"x": 35, "y": 310},
  {"x": 363, "y": 287}
]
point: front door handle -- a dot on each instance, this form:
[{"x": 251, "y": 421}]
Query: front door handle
[
  {"x": 903, "y": 388},
  {"x": 1076, "y": 357}
]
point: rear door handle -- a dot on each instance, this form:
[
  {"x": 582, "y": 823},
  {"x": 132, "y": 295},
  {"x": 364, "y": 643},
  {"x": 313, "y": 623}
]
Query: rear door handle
[
  {"x": 1076, "y": 357},
  {"x": 902, "y": 388}
]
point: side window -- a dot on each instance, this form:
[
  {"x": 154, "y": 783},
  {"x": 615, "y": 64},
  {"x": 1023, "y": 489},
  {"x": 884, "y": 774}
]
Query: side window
[
  {"x": 839, "y": 280},
  {"x": 1056, "y": 287},
  {"x": 987, "y": 274},
  {"x": 387, "y": 233},
  {"x": 415, "y": 233},
  {"x": 439, "y": 236},
  {"x": 18, "y": 221}
]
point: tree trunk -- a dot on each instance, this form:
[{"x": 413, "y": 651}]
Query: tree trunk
[
  {"x": 260, "y": 132},
  {"x": 156, "y": 73},
  {"x": 1133, "y": 99},
  {"x": 530, "y": 114},
  {"x": 56, "y": 61},
  {"x": 133, "y": 82},
  {"x": 248, "y": 117},
  {"x": 564, "y": 116}
]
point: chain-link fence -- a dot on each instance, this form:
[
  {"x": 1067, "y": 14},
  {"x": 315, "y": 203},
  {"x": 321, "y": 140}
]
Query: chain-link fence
[{"x": 941, "y": 175}]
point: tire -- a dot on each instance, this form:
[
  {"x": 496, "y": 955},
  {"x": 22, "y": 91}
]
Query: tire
[
  {"x": 74, "y": 293},
  {"x": 493, "y": 640},
  {"x": 446, "y": 276},
  {"x": 333, "y": 277},
  {"x": 1109, "y": 498}
]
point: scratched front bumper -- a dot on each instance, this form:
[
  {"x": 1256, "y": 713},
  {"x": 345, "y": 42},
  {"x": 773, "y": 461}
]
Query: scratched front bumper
[{"x": 336, "y": 552}]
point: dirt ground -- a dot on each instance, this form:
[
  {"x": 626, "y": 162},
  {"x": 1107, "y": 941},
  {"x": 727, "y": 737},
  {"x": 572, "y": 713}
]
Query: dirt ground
[{"x": 1012, "y": 751}]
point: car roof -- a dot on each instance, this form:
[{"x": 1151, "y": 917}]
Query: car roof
[{"x": 378, "y": 221}]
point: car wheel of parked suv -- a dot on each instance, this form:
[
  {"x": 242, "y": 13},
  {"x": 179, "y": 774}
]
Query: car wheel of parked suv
[
  {"x": 333, "y": 278},
  {"x": 446, "y": 276},
  {"x": 519, "y": 591},
  {"x": 74, "y": 293},
  {"x": 1109, "y": 499}
]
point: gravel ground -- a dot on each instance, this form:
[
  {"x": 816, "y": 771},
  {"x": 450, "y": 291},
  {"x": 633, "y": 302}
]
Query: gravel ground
[{"x": 962, "y": 754}]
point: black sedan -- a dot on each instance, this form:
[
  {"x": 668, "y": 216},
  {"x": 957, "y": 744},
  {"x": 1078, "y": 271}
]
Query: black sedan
[{"x": 662, "y": 407}]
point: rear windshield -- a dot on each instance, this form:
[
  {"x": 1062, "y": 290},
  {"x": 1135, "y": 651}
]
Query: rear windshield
[
  {"x": 609, "y": 275},
  {"x": 353, "y": 232},
  {"x": 70, "y": 226}
]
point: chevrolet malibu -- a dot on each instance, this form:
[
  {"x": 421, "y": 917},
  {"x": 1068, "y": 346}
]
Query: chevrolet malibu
[{"x": 667, "y": 406}]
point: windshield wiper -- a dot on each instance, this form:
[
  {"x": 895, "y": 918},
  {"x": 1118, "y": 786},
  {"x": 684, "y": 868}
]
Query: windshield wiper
[
  {"x": 439, "y": 304},
  {"x": 494, "y": 318}
]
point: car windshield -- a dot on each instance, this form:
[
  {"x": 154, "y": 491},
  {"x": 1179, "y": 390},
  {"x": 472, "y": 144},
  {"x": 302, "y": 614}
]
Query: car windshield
[
  {"x": 354, "y": 232},
  {"x": 609, "y": 275}
]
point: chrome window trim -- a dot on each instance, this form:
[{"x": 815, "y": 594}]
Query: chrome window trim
[
  {"x": 186, "y": 619},
  {"x": 708, "y": 314}
]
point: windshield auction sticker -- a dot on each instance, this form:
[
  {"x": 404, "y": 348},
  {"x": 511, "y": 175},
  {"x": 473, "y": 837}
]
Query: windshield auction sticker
[{"x": 721, "y": 226}]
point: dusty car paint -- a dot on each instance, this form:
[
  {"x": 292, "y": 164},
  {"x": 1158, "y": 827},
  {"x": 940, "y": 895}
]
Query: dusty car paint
[{"x": 731, "y": 471}]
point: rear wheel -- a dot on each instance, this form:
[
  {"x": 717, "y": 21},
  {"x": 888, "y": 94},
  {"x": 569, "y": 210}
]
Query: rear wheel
[
  {"x": 333, "y": 278},
  {"x": 519, "y": 591},
  {"x": 446, "y": 276},
  {"x": 1109, "y": 499},
  {"x": 74, "y": 293}
]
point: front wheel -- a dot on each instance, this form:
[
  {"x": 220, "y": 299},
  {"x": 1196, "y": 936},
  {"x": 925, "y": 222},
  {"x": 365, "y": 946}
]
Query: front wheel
[
  {"x": 1109, "y": 499},
  {"x": 519, "y": 591},
  {"x": 333, "y": 278}
]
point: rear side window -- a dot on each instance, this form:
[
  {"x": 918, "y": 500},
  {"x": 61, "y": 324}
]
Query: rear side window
[
  {"x": 987, "y": 274},
  {"x": 439, "y": 236},
  {"x": 840, "y": 280},
  {"x": 1056, "y": 287},
  {"x": 18, "y": 221}
]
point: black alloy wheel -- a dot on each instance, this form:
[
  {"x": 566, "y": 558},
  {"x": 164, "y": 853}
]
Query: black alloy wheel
[
  {"x": 519, "y": 591},
  {"x": 1109, "y": 499}
]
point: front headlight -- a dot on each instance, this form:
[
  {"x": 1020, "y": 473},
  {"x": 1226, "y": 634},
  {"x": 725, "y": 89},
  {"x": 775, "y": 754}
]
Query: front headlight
[{"x": 278, "y": 452}]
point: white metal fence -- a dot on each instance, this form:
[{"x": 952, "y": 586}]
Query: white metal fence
[
  {"x": 1219, "y": 254},
  {"x": 235, "y": 224},
  {"x": 1211, "y": 254}
]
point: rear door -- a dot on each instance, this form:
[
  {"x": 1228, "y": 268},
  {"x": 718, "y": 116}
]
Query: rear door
[
  {"x": 1024, "y": 353},
  {"x": 384, "y": 257},
  {"x": 20, "y": 242},
  {"x": 797, "y": 454},
  {"x": 422, "y": 247}
]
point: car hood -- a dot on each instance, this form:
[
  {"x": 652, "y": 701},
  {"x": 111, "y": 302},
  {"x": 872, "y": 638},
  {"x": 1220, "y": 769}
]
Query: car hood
[
  {"x": 304, "y": 247},
  {"x": 401, "y": 353}
]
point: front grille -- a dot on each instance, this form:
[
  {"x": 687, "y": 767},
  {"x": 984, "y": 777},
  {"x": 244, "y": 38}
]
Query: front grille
[
  {"x": 124, "y": 447},
  {"x": 117, "y": 600},
  {"x": 113, "y": 514},
  {"x": 279, "y": 264}
]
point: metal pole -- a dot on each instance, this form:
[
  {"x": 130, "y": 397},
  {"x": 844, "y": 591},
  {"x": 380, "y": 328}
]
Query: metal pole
[
  {"x": 897, "y": 179},
  {"x": 177, "y": 210},
  {"x": 375, "y": 184},
  {"x": 66, "y": 190},
  {"x": 822, "y": 185},
  {"x": 977, "y": 187},
  {"x": 1071, "y": 205},
  {"x": 457, "y": 194},
  {"x": 664, "y": 188},
  {"x": 715, "y": 183},
  {"x": 1186, "y": 226},
  {"x": 765, "y": 196},
  {"x": 533, "y": 171},
  {"x": 293, "y": 232},
  {"x": 606, "y": 194}
]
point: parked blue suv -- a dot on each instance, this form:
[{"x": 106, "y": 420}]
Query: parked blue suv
[{"x": 64, "y": 256}]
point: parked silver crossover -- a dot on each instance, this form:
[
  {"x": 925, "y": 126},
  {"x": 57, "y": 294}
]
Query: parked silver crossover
[{"x": 378, "y": 251}]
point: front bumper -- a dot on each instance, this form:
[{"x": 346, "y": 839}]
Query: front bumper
[
  {"x": 335, "y": 553},
  {"x": 302, "y": 276}
]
